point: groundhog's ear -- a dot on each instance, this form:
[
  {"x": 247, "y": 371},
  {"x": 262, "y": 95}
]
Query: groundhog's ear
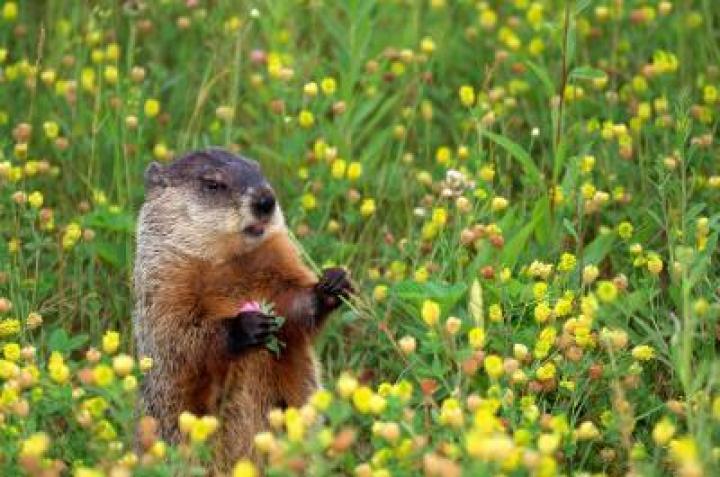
[{"x": 155, "y": 176}]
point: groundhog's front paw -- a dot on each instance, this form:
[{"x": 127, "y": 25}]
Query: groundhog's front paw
[
  {"x": 334, "y": 285},
  {"x": 249, "y": 329}
]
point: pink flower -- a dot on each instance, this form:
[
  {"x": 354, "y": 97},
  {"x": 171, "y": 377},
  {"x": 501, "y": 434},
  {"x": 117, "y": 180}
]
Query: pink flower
[{"x": 250, "y": 306}]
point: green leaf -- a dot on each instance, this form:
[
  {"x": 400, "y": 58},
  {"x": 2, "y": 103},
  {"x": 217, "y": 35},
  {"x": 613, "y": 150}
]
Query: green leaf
[
  {"x": 513, "y": 249},
  {"x": 60, "y": 341},
  {"x": 518, "y": 153},
  {"x": 541, "y": 220},
  {"x": 586, "y": 73},
  {"x": 544, "y": 78},
  {"x": 581, "y": 5},
  {"x": 415, "y": 293},
  {"x": 102, "y": 219},
  {"x": 598, "y": 249},
  {"x": 112, "y": 254}
]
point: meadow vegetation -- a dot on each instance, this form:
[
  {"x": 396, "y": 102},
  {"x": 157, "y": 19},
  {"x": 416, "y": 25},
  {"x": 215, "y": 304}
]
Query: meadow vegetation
[{"x": 525, "y": 191}]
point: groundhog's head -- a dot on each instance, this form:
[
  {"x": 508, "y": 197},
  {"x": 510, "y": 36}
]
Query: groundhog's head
[{"x": 210, "y": 199}]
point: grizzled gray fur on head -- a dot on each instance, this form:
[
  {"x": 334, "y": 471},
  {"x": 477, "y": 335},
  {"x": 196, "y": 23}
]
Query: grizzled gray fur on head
[
  {"x": 211, "y": 166},
  {"x": 208, "y": 198}
]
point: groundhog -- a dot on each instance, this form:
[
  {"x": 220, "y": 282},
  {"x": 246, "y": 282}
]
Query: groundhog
[{"x": 211, "y": 240}]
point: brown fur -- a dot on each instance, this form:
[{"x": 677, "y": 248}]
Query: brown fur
[{"x": 182, "y": 299}]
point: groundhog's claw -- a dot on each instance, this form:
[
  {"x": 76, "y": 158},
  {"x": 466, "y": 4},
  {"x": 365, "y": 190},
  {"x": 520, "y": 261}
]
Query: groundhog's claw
[
  {"x": 332, "y": 287},
  {"x": 249, "y": 329}
]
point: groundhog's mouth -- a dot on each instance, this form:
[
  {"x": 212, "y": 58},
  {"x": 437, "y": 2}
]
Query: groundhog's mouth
[{"x": 254, "y": 230}]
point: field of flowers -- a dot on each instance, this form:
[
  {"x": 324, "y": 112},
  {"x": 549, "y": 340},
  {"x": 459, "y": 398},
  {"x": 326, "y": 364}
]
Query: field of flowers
[{"x": 526, "y": 193}]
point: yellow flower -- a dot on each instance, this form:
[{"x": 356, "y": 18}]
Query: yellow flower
[
  {"x": 72, "y": 234},
  {"x": 103, "y": 375},
  {"x": 380, "y": 293},
  {"x": 308, "y": 201},
  {"x": 338, "y": 168},
  {"x": 123, "y": 364},
  {"x": 590, "y": 274},
  {"x": 427, "y": 45},
  {"x": 548, "y": 443},
  {"x": 160, "y": 151},
  {"x": 361, "y": 398},
  {"x": 87, "y": 472},
  {"x": 625, "y": 230},
  {"x": 186, "y": 421},
  {"x": 534, "y": 14},
  {"x": 8, "y": 369},
  {"x": 10, "y": 11},
  {"x": 430, "y": 312},
  {"x": 487, "y": 173},
  {"x": 451, "y": 413},
  {"x": 567, "y": 262},
  {"x": 439, "y": 216},
  {"x": 520, "y": 351},
  {"x": 321, "y": 399},
  {"x": 421, "y": 275},
  {"x": 710, "y": 94},
  {"x": 105, "y": 430},
  {"x": 146, "y": 363},
  {"x": 377, "y": 404},
  {"x": 35, "y": 199},
  {"x": 225, "y": 113},
  {"x": 546, "y": 372},
  {"x": 536, "y": 46},
  {"x": 129, "y": 383},
  {"x": 9, "y": 327},
  {"x": 58, "y": 371},
  {"x": 495, "y": 313},
  {"x": 443, "y": 155},
  {"x": 563, "y": 307},
  {"x": 306, "y": 119},
  {"x": 654, "y": 264},
  {"x": 95, "y": 406},
  {"x": 310, "y": 89},
  {"x": 587, "y": 431},
  {"x": 367, "y": 208},
  {"x": 540, "y": 290},
  {"x": 112, "y": 52},
  {"x": 354, "y": 170},
  {"x": 663, "y": 431},
  {"x": 542, "y": 312},
  {"x": 607, "y": 291},
  {"x": 111, "y": 342},
  {"x": 476, "y": 337},
  {"x": 328, "y": 85},
  {"x": 203, "y": 428},
  {"x": 51, "y": 129},
  {"x": 346, "y": 385},
  {"x": 643, "y": 352},
  {"x": 264, "y": 441},
  {"x": 403, "y": 390},
  {"x": 244, "y": 468},
  {"x": 467, "y": 95},
  {"x": 493, "y": 366},
  {"x": 110, "y": 74},
  {"x": 11, "y": 351},
  {"x": 35, "y": 446},
  {"x": 488, "y": 18},
  {"x": 152, "y": 108},
  {"x": 683, "y": 450}
]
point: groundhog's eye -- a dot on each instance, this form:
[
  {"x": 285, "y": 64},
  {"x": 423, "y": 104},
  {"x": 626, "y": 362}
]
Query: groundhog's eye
[{"x": 211, "y": 185}]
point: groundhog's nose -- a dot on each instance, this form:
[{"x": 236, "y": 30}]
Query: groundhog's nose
[{"x": 263, "y": 204}]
